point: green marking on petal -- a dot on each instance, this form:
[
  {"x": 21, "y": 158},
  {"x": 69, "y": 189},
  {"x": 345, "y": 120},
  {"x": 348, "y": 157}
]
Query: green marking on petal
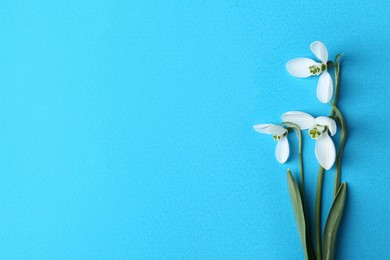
[
  {"x": 278, "y": 137},
  {"x": 317, "y": 131},
  {"x": 314, "y": 133},
  {"x": 315, "y": 70}
]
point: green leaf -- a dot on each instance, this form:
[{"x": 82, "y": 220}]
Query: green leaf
[
  {"x": 333, "y": 222},
  {"x": 337, "y": 69},
  {"x": 298, "y": 210},
  {"x": 338, "y": 57}
]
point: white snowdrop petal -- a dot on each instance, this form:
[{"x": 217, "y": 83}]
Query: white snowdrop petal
[
  {"x": 325, "y": 87},
  {"x": 329, "y": 122},
  {"x": 270, "y": 129},
  {"x": 300, "y": 67},
  {"x": 301, "y": 119},
  {"x": 282, "y": 150},
  {"x": 319, "y": 49},
  {"x": 325, "y": 151}
]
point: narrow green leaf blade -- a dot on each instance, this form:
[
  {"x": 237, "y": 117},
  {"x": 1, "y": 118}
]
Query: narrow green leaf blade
[
  {"x": 298, "y": 210},
  {"x": 338, "y": 57},
  {"x": 333, "y": 222},
  {"x": 337, "y": 71}
]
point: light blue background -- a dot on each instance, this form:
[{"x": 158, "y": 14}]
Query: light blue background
[{"x": 126, "y": 127}]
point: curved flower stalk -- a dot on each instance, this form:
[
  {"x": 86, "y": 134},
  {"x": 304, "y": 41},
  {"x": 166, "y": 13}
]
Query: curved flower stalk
[
  {"x": 305, "y": 67},
  {"x": 280, "y": 135},
  {"x": 319, "y": 127}
]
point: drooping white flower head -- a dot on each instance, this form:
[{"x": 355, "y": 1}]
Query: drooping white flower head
[
  {"x": 305, "y": 67},
  {"x": 319, "y": 127},
  {"x": 280, "y": 135}
]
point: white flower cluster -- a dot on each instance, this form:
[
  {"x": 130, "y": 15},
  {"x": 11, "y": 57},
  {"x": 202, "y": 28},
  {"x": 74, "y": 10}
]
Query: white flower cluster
[{"x": 318, "y": 128}]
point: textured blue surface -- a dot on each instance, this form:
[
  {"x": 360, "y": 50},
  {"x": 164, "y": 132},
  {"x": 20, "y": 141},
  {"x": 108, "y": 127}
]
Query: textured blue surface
[{"x": 126, "y": 127}]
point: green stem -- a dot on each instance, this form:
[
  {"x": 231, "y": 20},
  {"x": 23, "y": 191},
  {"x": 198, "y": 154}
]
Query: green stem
[
  {"x": 318, "y": 212},
  {"x": 309, "y": 246},
  {"x": 310, "y": 251},
  {"x": 337, "y": 76},
  {"x": 341, "y": 149},
  {"x": 338, "y": 161},
  {"x": 301, "y": 175}
]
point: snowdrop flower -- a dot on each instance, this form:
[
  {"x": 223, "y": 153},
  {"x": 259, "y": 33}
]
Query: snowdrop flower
[
  {"x": 280, "y": 135},
  {"x": 318, "y": 129},
  {"x": 304, "y": 67}
]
